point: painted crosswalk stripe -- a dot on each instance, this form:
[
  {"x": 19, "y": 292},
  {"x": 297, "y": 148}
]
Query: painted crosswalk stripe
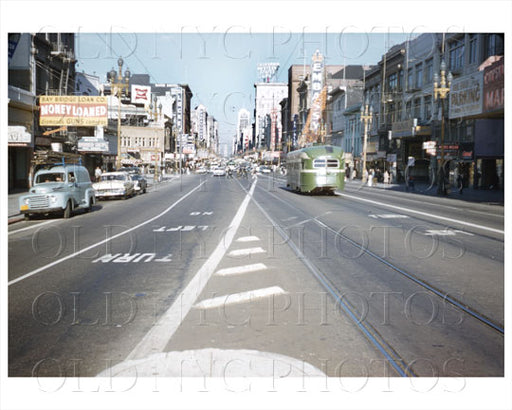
[
  {"x": 248, "y": 239},
  {"x": 241, "y": 297},
  {"x": 241, "y": 269},
  {"x": 247, "y": 251}
]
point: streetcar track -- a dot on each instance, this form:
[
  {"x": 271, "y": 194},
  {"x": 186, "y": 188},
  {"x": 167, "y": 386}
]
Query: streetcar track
[
  {"x": 396, "y": 361},
  {"x": 405, "y": 196},
  {"x": 420, "y": 282}
]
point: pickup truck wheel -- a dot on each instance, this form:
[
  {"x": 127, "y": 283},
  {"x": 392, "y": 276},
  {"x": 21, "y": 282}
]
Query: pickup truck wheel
[
  {"x": 67, "y": 210},
  {"x": 26, "y": 217}
]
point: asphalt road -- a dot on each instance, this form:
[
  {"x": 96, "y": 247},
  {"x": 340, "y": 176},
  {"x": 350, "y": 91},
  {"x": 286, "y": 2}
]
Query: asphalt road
[{"x": 216, "y": 276}]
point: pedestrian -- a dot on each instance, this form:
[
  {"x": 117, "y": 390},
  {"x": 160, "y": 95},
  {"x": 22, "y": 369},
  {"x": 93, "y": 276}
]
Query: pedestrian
[
  {"x": 411, "y": 182},
  {"x": 460, "y": 181},
  {"x": 386, "y": 177},
  {"x": 97, "y": 173}
]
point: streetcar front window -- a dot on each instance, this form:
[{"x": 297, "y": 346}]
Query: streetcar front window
[
  {"x": 326, "y": 162},
  {"x": 319, "y": 163}
]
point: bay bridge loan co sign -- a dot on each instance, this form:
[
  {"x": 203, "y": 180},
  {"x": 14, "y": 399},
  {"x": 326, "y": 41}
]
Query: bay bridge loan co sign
[{"x": 72, "y": 111}]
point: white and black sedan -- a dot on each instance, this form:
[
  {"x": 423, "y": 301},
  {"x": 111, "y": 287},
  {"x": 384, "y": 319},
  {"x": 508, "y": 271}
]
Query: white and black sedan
[
  {"x": 140, "y": 183},
  {"x": 114, "y": 184}
]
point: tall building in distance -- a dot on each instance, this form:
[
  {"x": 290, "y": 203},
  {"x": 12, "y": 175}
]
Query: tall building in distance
[
  {"x": 267, "y": 114},
  {"x": 244, "y": 130}
]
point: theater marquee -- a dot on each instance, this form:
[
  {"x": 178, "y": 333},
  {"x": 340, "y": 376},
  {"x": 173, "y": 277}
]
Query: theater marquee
[{"x": 72, "y": 110}]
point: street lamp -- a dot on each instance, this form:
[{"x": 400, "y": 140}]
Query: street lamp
[
  {"x": 118, "y": 84},
  {"x": 442, "y": 91},
  {"x": 366, "y": 118}
]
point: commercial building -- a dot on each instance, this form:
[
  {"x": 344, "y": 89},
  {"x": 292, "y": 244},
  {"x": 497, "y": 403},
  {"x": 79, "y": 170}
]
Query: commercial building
[
  {"x": 39, "y": 64},
  {"x": 408, "y": 120}
]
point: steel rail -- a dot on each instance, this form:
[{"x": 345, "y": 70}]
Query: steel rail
[
  {"x": 401, "y": 367},
  {"x": 438, "y": 292}
]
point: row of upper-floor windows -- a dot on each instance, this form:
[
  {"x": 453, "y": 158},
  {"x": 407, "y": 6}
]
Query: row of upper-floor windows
[{"x": 460, "y": 52}]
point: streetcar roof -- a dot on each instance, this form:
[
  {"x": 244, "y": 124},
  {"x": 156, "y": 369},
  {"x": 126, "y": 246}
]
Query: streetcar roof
[{"x": 318, "y": 150}]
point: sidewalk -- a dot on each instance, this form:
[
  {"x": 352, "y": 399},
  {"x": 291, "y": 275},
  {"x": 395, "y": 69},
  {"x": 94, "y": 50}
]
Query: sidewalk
[{"x": 493, "y": 197}]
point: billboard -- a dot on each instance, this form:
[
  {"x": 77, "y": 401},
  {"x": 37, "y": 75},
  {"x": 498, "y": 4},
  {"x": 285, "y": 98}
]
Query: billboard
[
  {"x": 72, "y": 110},
  {"x": 466, "y": 96},
  {"x": 141, "y": 94}
]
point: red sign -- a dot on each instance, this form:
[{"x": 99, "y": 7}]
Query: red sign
[{"x": 494, "y": 87}]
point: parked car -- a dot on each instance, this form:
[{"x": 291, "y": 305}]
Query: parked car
[
  {"x": 59, "y": 189},
  {"x": 139, "y": 183},
  {"x": 130, "y": 170},
  {"x": 114, "y": 184}
]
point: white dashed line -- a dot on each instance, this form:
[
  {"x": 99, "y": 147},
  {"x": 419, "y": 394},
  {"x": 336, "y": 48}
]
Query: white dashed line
[
  {"x": 247, "y": 251},
  {"x": 241, "y": 297},
  {"x": 248, "y": 239},
  {"x": 237, "y": 270}
]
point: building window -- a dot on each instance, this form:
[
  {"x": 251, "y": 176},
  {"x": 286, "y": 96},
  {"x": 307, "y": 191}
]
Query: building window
[
  {"x": 428, "y": 108},
  {"x": 457, "y": 56},
  {"x": 410, "y": 84},
  {"x": 393, "y": 82},
  {"x": 417, "y": 108},
  {"x": 472, "y": 48},
  {"x": 419, "y": 75},
  {"x": 429, "y": 71},
  {"x": 408, "y": 110},
  {"x": 495, "y": 45},
  {"x": 400, "y": 80}
]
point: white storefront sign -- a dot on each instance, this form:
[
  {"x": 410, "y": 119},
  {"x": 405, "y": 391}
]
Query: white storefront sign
[
  {"x": 92, "y": 144},
  {"x": 466, "y": 96},
  {"x": 18, "y": 134}
]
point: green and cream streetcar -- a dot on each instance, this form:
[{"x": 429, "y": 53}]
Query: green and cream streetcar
[{"x": 315, "y": 169}]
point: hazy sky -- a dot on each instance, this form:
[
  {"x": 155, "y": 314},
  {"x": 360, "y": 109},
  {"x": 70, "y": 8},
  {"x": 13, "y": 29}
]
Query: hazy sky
[{"x": 221, "y": 68}]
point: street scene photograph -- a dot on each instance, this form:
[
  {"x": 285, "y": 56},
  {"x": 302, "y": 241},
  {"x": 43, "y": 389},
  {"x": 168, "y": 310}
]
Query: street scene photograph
[{"x": 241, "y": 211}]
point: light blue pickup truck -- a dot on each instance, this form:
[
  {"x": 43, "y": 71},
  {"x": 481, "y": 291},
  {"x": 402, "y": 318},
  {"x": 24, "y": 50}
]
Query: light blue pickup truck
[{"x": 59, "y": 189}]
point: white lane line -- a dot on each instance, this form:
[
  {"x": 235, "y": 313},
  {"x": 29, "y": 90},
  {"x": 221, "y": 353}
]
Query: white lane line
[
  {"x": 388, "y": 216},
  {"x": 430, "y": 215},
  {"x": 33, "y": 226},
  {"x": 72, "y": 255},
  {"x": 241, "y": 297},
  {"x": 238, "y": 270},
  {"x": 159, "y": 335},
  {"x": 247, "y": 251},
  {"x": 442, "y": 232},
  {"x": 248, "y": 239}
]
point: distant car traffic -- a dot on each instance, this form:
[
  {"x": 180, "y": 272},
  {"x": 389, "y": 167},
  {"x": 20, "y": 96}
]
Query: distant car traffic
[
  {"x": 140, "y": 183},
  {"x": 265, "y": 170},
  {"x": 114, "y": 184},
  {"x": 219, "y": 172},
  {"x": 201, "y": 170}
]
